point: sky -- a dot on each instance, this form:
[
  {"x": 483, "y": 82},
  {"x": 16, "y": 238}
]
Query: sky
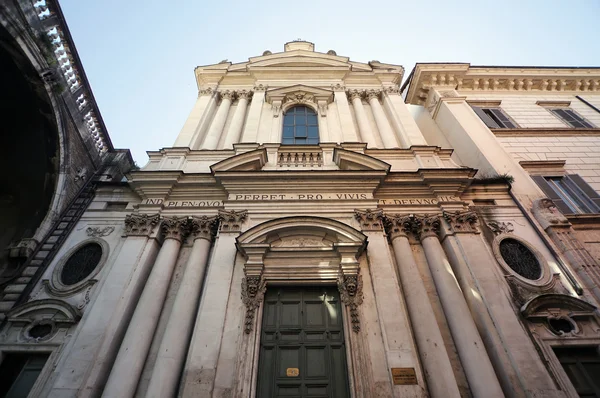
[{"x": 139, "y": 56}]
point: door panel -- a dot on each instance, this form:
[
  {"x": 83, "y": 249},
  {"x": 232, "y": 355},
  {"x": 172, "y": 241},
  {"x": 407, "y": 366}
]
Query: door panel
[{"x": 302, "y": 344}]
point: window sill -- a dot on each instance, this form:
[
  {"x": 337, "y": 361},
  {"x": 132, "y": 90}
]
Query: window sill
[{"x": 544, "y": 132}]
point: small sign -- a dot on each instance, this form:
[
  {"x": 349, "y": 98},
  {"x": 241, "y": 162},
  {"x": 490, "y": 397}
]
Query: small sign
[
  {"x": 404, "y": 376},
  {"x": 292, "y": 372}
]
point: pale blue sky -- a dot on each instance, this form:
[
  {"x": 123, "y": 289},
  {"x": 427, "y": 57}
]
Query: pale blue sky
[{"x": 139, "y": 56}]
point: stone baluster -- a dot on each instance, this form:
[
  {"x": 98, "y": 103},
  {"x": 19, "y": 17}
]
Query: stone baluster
[
  {"x": 385, "y": 130},
  {"x": 361, "y": 117},
  {"x": 474, "y": 358},
  {"x": 173, "y": 348},
  {"x": 432, "y": 350},
  {"x": 216, "y": 128},
  {"x": 235, "y": 128},
  {"x": 128, "y": 366}
]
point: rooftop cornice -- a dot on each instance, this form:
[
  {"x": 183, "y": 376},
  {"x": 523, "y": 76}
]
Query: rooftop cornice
[{"x": 465, "y": 78}]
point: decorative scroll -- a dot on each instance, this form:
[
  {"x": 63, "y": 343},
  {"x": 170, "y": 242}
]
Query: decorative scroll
[
  {"x": 140, "y": 224},
  {"x": 253, "y": 292},
  {"x": 231, "y": 220},
  {"x": 500, "y": 227},
  {"x": 97, "y": 232},
  {"x": 351, "y": 294},
  {"x": 370, "y": 220},
  {"x": 465, "y": 222}
]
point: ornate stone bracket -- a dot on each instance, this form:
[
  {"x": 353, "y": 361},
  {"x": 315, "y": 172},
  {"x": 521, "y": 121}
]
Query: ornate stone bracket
[
  {"x": 231, "y": 220},
  {"x": 370, "y": 220},
  {"x": 174, "y": 228},
  {"x": 462, "y": 221},
  {"x": 140, "y": 224},
  {"x": 203, "y": 227},
  {"x": 351, "y": 294},
  {"x": 253, "y": 292},
  {"x": 97, "y": 232}
]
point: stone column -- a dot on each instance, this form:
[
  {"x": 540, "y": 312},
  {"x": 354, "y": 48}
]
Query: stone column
[
  {"x": 197, "y": 122},
  {"x": 173, "y": 348},
  {"x": 432, "y": 350},
  {"x": 478, "y": 368},
  {"x": 89, "y": 355},
  {"x": 235, "y": 128},
  {"x": 387, "y": 135},
  {"x": 250, "y": 133},
  {"x": 401, "y": 118},
  {"x": 361, "y": 117},
  {"x": 396, "y": 331},
  {"x": 126, "y": 371},
  {"x": 201, "y": 365},
  {"x": 349, "y": 133},
  {"x": 216, "y": 128}
]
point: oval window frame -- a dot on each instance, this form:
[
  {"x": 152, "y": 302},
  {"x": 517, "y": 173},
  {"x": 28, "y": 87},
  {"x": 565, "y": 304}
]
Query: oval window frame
[
  {"x": 56, "y": 282},
  {"x": 546, "y": 273}
]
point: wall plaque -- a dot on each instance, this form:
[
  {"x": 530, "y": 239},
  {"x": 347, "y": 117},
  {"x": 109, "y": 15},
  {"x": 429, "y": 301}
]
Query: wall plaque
[
  {"x": 292, "y": 372},
  {"x": 404, "y": 376}
]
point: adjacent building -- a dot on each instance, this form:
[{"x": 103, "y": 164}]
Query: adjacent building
[{"x": 319, "y": 230}]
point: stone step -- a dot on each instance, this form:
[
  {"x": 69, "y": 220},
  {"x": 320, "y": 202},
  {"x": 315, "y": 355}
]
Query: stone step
[
  {"x": 24, "y": 280},
  {"x": 42, "y": 254},
  {"x": 29, "y": 271},
  {"x": 6, "y": 306},
  {"x": 11, "y": 297},
  {"x": 14, "y": 288}
]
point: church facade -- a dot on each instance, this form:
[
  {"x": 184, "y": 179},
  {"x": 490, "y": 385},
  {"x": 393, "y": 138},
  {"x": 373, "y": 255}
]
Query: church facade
[{"x": 319, "y": 230}]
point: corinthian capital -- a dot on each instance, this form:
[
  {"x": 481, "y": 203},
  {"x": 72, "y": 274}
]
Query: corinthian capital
[
  {"x": 426, "y": 226},
  {"x": 244, "y": 94},
  {"x": 140, "y": 224},
  {"x": 231, "y": 220},
  {"x": 174, "y": 227},
  {"x": 206, "y": 91},
  {"x": 260, "y": 87},
  {"x": 352, "y": 94},
  {"x": 462, "y": 221},
  {"x": 227, "y": 94},
  {"x": 338, "y": 87},
  {"x": 373, "y": 94},
  {"x": 398, "y": 225},
  {"x": 391, "y": 90},
  {"x": 370, "y": 220},
  {"x": 202, "y": 227}
]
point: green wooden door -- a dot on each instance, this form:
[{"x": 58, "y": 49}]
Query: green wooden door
[{"x": 302, "y": 351}]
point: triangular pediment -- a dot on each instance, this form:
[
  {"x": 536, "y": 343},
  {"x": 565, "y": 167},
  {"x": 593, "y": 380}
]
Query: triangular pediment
[
  {"x": 300, "y": 58},
  {"x": 299, "y": 93},
  {"x": 349, "y": 160},
  {"x": 248, "y": 161}
]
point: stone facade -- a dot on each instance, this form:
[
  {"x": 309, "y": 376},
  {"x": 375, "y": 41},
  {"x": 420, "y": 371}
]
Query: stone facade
[{"x": 450, "y": 283}]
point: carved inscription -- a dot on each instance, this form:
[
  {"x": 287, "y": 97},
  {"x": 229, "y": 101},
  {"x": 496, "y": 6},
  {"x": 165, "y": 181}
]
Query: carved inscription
[
  {"x": 302, "y": 196},
  {"x": 404, "y": 376},
  {"x": 183, "y": 203}
]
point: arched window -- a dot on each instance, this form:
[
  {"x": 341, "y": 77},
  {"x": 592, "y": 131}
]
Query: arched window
[{"x": 300, "y": 126}]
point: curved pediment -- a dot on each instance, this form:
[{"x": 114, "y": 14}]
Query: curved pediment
[
  {"x": 299, "y": 58},
  {"x": 349, "y": 160},
  {"x": 48, "y": 309},
  {"x": 547, "y": 303},
  {"x": 248, "y": 161}
]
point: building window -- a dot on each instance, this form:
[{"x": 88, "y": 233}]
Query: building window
[
  {"x": 582, "y": 366},
  {"x": 571, "y": 194},
  {"x": 81, "y": 264},
  {"x": 520, "y": 259},
  {"x": 495, "y": 118},
  {"x": 570, "y": 117},
  {"x": 19, "y": 372},
  {"x": 300, "y": 126}
]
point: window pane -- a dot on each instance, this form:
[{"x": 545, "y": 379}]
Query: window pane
[
  {"x": 300, "y": 141},
  {"x": 288, "y": 132},
  {"x": 300, "y": 120},
  {"x": 312, "y": 120},
  {"x": 300, "y": 131},
  {"x": 287, "y": 141},
  {"x": 313, "y": 132},
  {"x": 312, "y": 141},
  {"x": 288, "y": 119}
]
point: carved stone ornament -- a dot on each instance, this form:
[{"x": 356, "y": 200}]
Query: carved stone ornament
[
  {"x": 398, "y": 225},
  {"x": 243, "y": 94},
  {"x": 276, "y": 107},
  {"x": 522, "y": 292},
  {"x": 202, "y": 227},
  {"x": 426, "y": 225},
  {"x": 206, "y": 91},
  {"x": 500, "y": 227},
  {"x": 174, "y": 227},
  {"x": 548, "y": 215},
  {"x": 338, "y": 87},
  {"x": 465, "y": 222},
  {"x": 140, "y": 224},
  {"x": 370, "y": 220},
  {"x": 323, "y": 109},
  {"x": 391, "y": 90},
  {"x": 373, "y": 94},
  {"x": 227, "y": 94},
  {"x": 260, "y": 87},
  {"x": 299, "y": 98},
  {"x": 97, "y": 232},
  {"x": 253, "y": 292},
  {"x": 231, "y": 220},
  {"x": 351, "y": 294},
  {"x": 353, "y": 94}
]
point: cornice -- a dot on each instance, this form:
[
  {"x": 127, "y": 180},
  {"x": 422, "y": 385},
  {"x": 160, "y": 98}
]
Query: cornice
[{"x": 466, "y": 78}]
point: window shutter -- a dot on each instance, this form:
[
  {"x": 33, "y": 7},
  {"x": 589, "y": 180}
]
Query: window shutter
[
  {"x": 589, "y": 191},
  {"x": 560, "y": 204},
  {"x": 485, "y": 118},
  {"x": 581, "y": 121},
  {"x": 499, "y": 113}
]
